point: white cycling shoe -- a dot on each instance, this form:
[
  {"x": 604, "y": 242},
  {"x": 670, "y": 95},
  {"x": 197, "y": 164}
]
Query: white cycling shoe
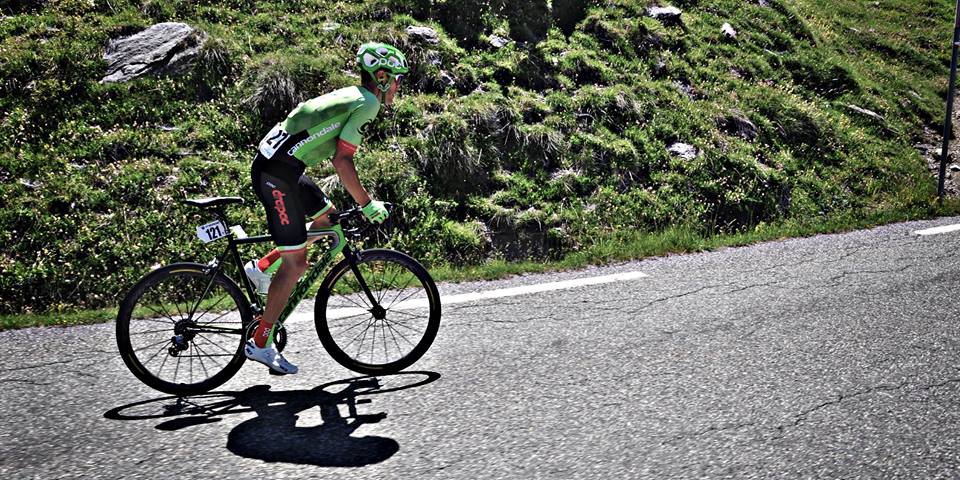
[
  {"x": 260, "y": 280},
  {"x": 270, "y": 357}
]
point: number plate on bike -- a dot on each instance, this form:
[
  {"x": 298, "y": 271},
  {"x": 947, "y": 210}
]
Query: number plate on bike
[{"x": 211, "y": 231}]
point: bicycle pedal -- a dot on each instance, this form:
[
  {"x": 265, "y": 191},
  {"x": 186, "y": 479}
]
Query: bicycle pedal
[{"x": 274, "y": 372}]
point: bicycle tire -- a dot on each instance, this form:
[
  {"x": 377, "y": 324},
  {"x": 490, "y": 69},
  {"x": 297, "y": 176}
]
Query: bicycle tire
[
  {"x": 336, "y": 283},
  {"x": 238, "y": 315}
]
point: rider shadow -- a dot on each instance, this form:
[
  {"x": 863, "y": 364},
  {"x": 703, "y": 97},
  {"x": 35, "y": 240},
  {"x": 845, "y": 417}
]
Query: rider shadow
[{"x": 273, "y": 435}]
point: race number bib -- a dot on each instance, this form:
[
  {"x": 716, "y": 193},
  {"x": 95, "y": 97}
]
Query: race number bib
[
  {"x": 273, "y": 140},
  {"x": 211, "y": 231}
]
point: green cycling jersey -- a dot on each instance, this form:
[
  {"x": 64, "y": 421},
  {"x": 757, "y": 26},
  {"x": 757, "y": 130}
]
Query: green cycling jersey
[{"x": 312, "y": 132}]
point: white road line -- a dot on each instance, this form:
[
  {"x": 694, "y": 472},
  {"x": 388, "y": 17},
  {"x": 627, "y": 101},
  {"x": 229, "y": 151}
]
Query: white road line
[
  {"x": 939, "y": 230},
  {"x": 503, "y": 292}
]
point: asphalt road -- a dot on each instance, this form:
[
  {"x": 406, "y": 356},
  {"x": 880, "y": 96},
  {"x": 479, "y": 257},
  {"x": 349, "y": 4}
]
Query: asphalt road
[{"x": 827, "y": 357}]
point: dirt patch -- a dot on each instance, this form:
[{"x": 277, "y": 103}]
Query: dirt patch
[{"x": 929, "y": 148}]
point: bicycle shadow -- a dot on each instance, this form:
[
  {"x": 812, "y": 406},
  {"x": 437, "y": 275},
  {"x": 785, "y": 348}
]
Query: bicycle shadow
[{"x": 273, "y": 435}]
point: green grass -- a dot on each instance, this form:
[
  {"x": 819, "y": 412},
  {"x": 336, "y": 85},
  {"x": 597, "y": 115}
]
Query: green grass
[
  {"x": 608, "y": 249},
  {"x": 551, "y": 151},
  {"x": 57, "y": 319}
]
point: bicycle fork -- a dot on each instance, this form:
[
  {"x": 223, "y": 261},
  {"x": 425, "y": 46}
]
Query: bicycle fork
[{"x": 377, "y": 310}]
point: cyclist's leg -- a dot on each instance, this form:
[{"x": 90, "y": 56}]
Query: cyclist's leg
[
  {"x": 315, "y": 203},
  {"x": 317, "y": 207},
  {"x": 294, "y": 263},
  {"x": 276, "y": 187}
]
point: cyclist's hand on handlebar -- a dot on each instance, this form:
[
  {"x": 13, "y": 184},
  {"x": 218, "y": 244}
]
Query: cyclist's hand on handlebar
[{"x": 375, "y": 211}]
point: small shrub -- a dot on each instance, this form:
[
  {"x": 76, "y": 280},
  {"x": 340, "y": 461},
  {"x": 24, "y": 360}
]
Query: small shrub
[
  {"x": 214, "y": 66},
  {"x": 568, "y": 13},
  {"x": 821, "y": 73},
  {"x": 276, "y": 92}
]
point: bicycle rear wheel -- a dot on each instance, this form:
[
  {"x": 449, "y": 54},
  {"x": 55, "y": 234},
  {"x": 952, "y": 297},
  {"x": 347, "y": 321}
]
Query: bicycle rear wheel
[
  {"x": 180, "y": 330},
  {"x": 389, "y": 334}
]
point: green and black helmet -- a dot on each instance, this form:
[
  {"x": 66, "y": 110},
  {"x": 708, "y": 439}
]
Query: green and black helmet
[{"x": 381, "y": 56}]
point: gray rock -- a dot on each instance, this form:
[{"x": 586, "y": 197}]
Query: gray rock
[
  {"x": 423, "y": 34},
  {"x": 683, "y": 150},
  {"x": 163, "y": 49},
  {"x": 954, "y": 167},
  {"x": 685, "y": 88},
  {"x": 728, "y": 31},
  {"x": 434, "y": 58},
  {"x": 763, "y": 3},
  {"x": 499, "y": 42},
  {"x": 863, "y": 111},
  {"x": 736, "y": 123},
  {"x": 447, "y": 79},
  {"x": 667, "y": 14}
]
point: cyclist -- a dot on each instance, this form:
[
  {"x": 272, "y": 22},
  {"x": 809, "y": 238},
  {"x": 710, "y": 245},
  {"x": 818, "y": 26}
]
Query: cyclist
[{"x": 327, "y": 126}]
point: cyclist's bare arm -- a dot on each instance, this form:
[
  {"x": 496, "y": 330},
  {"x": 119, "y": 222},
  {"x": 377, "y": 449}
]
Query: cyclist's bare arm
[{"x": 347, "y": 171}]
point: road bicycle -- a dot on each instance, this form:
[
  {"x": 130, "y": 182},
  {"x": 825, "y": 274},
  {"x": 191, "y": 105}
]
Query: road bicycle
[{"x": 181, "y": 329}]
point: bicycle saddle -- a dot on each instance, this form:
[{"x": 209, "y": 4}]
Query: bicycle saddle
[{"x": 212, "y": 201}]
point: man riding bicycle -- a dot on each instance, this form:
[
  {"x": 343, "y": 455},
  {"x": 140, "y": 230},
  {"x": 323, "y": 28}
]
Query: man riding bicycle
[{"x": 325, "y": 126}]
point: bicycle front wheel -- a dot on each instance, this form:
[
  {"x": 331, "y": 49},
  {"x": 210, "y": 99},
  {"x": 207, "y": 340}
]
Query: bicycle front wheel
[
  {"x": 180, "y": 330},
  {"x": 387, "y": 330}
]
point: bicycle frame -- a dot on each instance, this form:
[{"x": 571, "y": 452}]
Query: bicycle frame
[
  {"x": 340, "y": 245},
  {"x": 305, "y": 282}
]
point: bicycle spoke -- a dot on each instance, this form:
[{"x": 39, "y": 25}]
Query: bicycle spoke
[
  {"x": 176, "y": 370},
  {"x": 215, "y": 344},
  {"x": 373, "y": 340},
  {"x": 383, "y": 337},
  {"x": 394, "y": 337},
  {"x": 164, "y": 362},
  {"x": 202, "y": 365},
  {"x": 150, "y": 331},
  {"x": 365, "y": 307},
  {"x": 177, "y": 305},
  {"x": 365, "y": 320},
  {"x": 360, "y": 345},
  {"x": 163, "y": 314},
  {"x": 383, "y": 284},
  {"x": 218, "y": 318},
  {"x": 416, "y": 291},
  {"x": 351, "y": 316},
  {"x": 154, "y": 320},
  {"x": 391, "y": 285},
  {"x": 205, "y": 355},
  {"x": 402, "y": 289},
  {"x": 214, "y": 306},
  {"x": 401, "y": 334},
  {"x": 152, "y": 345},
  {"x": 162, "y": 348},
  {"x": 360, "y": 293},
  {"x": 362, "y": 332},
  {"x": 408, "y": 327},
  {"x": 191, "y": 367},
  {"x": 376, "y": 285},
  {"x": 401, "y": 312}
]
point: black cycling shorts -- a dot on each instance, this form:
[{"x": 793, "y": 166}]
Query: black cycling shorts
[{"x": 289, "y": 197}]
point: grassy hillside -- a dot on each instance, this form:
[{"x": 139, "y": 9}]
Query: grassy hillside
[{"x": 552, "y": 144}]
